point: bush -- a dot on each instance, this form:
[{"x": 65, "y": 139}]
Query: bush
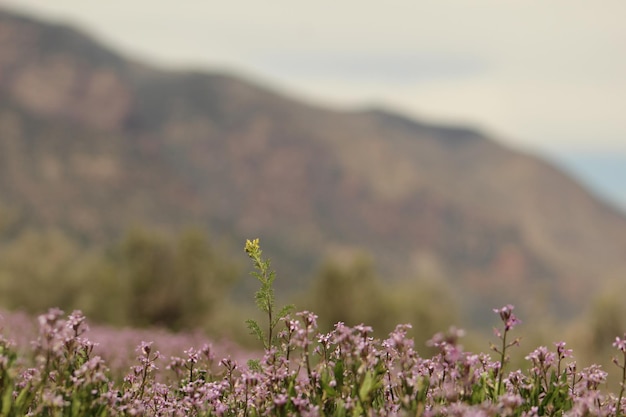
[
  {"x": 146, "y": 279},
  {"x": 352, "y": 293}
]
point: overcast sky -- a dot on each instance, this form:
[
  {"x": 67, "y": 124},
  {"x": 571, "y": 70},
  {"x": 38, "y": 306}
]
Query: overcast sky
[{"x": 542, "y": 75}]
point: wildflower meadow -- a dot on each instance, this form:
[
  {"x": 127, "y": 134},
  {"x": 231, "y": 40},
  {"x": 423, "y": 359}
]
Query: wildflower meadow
[{"x": 70, "y": 370}]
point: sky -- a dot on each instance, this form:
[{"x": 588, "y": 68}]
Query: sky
[{"x": 546, "y": 76}]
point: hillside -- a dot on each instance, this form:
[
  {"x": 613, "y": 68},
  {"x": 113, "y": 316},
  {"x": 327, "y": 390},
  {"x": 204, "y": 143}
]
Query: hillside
[{"x": 95, "y": 143}]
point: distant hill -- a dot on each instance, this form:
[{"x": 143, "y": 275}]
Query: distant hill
[{"x": 94, "y": 143}]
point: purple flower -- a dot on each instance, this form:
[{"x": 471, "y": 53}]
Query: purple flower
[
  {"x": 562, "y": 352},
  {"x": 507, "y": 316},
  {"x": 145, "y": 348},
  {"x": 310, "y": 319},
  {"x": 281, "y": 399},
  {"x": 192, "y": 355},
  {"x": 510, "y": 401},
  {"x": 541, "y": 357},
  {"x": 76, "y": 322},
  {"x": 620, "y": 344},
  {"x": 593, "y": 376}
]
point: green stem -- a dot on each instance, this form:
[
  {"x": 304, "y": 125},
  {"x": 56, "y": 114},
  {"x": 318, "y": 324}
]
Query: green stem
[
  {"x": 269, "y": 312},
  {"x": 502, "y": 359},
  {"x": 618, "y": 407}
]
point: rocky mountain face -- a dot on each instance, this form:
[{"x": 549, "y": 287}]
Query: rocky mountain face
[{"x": 94, "y": 143}]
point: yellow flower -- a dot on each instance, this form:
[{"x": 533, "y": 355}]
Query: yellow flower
[{"x": 252, "y": 246}]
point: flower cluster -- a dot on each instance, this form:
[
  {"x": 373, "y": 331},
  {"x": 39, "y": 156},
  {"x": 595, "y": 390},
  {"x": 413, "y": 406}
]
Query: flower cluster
[{"x": 345, "y": 372}]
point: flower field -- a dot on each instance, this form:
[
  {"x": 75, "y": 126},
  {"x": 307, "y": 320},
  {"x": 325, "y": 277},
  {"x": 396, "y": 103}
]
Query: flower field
[{"x": 68, "y": 369}]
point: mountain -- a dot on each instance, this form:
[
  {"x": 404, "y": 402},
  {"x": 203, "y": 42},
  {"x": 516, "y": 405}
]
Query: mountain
[{"x": 94, "y": 143}]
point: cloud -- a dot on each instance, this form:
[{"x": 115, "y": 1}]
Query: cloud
[{"x": 384, "y": 67}]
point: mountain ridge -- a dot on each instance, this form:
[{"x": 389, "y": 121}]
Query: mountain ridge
[{"x": 108, "y": 143}]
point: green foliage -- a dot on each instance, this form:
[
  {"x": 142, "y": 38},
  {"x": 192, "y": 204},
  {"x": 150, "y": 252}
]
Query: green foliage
[
  {"x": 351, "y": 292},
  {"x": 8, "y": 218},
  {"x": 146, "y": 279},
  {"x": 264, "y": 297},
  {"x": 607, "y": 317},
  {"x": 39, "y": 270},
  {"x": 427, "y": 304},
  {"x": 347, "y": 292},
  {"x": 172, "y": 284}
]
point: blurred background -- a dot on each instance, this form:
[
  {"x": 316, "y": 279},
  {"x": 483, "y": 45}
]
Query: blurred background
[{"x": 400, "y": 162}]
